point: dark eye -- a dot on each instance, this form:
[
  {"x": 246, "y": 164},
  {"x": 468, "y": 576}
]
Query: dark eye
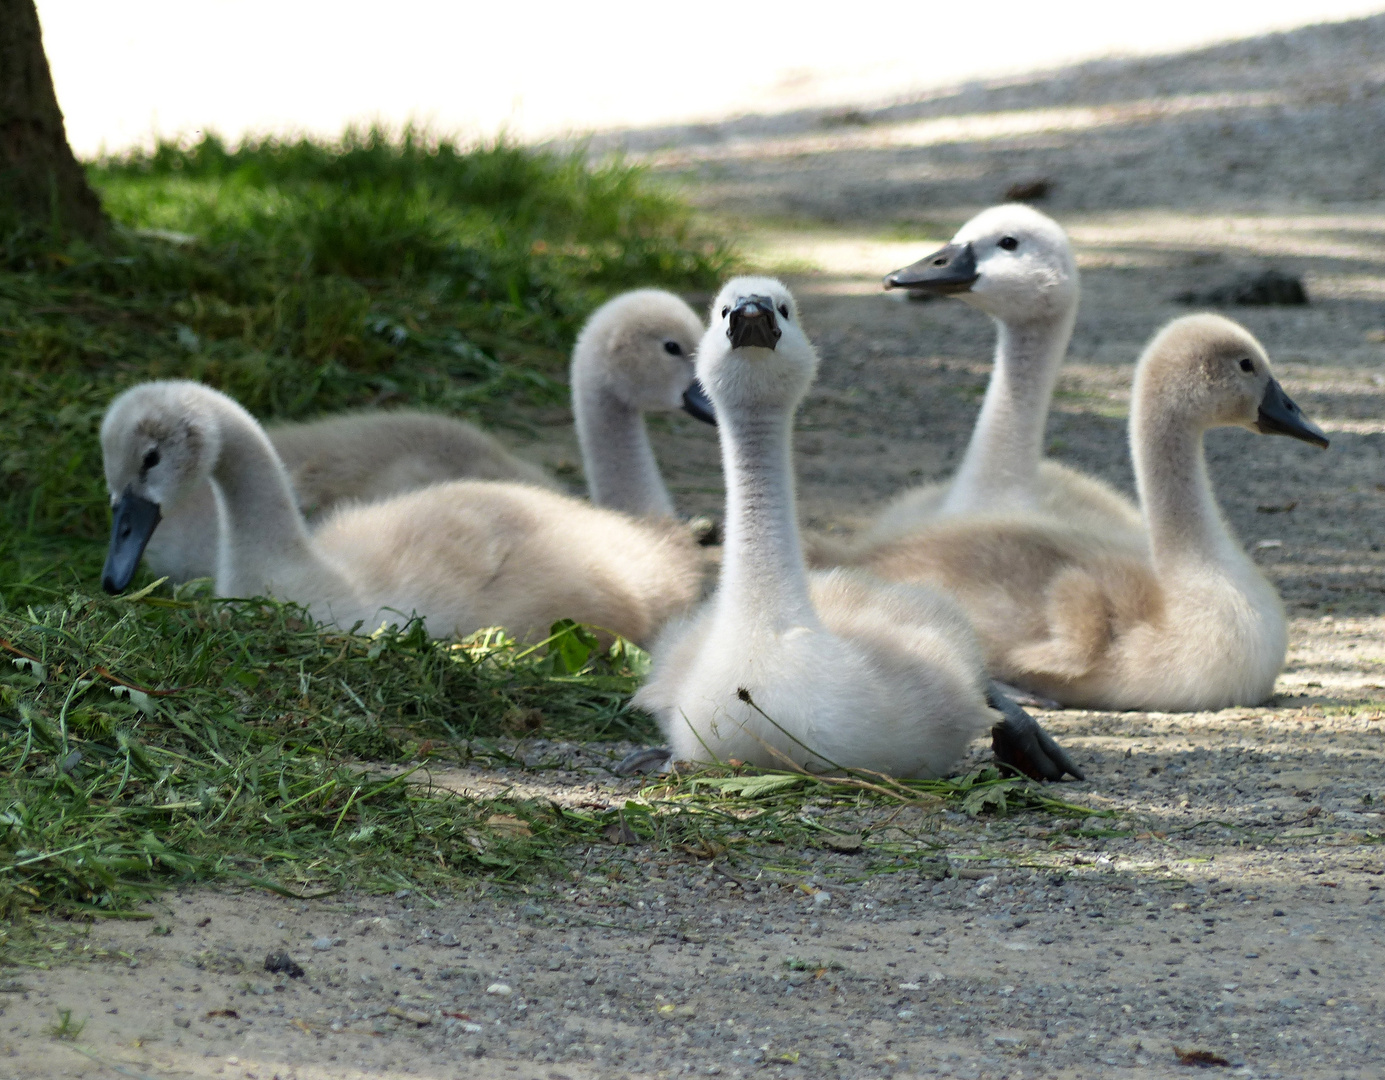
[
  {"x": 1009, "y": 243},
  {"x": 673, "y": 348},
  {"x": 1247, "y": 364},
  {"x": 151, "y": 458},
  {"x": 725, "y": 311},
  {"x": 784, "y": 310}
]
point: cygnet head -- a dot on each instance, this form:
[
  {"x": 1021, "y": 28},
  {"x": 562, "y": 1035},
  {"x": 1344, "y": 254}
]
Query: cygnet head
[
  {"x": 1009, "y": 261},
  {"x": 160, "y": 441},
  {"x": 1208, "y": 371},
  {"x": 755, "y": 354},
  {"x": 638, "y": 348}
]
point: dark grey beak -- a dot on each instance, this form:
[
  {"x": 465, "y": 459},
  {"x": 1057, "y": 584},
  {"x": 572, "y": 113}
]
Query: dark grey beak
[
  {"x": 754, "y": 323},
  {"x": 132, "y": 524},
  {"x": 1279, "y": 415},
  {"x": 697, "y": 403},
  {"x": 948, "y": 270}
]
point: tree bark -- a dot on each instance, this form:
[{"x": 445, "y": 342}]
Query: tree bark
[{"x": 41, "y": 181}]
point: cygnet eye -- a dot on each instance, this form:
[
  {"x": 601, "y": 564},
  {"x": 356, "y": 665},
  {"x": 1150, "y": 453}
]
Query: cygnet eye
[
  {"x": 784, "y": 310},
  {"x": 1009, "y": 243},
  {"x": 673, "y": 348},
  {"x": 1247, "y": 364},
  {"x": 151, "y": 458}
]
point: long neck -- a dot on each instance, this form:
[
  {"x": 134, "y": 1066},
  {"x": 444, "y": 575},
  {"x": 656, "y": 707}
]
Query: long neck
[
  {"x": 1186, "y": 528},
  {"x": 763, "y": 577},
  {"x": 1001, "y": 464},
  {"x": 616, "y": 456},
  {"x": 261, "y": 529}
]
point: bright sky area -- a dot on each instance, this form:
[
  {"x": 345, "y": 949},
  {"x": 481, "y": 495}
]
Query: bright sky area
[{"x": 127, "y": 72}]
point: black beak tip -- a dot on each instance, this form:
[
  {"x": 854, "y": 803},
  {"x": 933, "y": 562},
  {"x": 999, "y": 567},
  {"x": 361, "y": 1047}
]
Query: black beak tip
[
  {"x": 1280, "y": 415},
  {"x": 698, "y": 405},
  {"x": 753, "y": 323},
  {"x": 950, "y": 269},
  {"x": 132, "y": 524}
]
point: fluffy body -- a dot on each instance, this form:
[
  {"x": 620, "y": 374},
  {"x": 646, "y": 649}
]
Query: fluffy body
[
  {"x": 846, "y": 670},
  {"x": 351, "y": 458},
  {"x": 1177, "y": 619},
  {"x": 468, "y": 554},
  {"x": 462, "y": 555},
  {"x": 886, "y": 678},
  {"x": 1058, "y": 491},
  {"x": 633, "y": 356},
  {"x": 1031, "y": 291}
]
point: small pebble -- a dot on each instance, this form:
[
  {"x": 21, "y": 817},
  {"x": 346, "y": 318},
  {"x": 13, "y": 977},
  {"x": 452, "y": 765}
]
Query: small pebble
[
  {"x": 283, "y": 963},
  {"x": 503, "y": 989}
]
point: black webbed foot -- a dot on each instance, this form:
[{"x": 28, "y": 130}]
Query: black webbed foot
[
  {"x": 647, "y": 759},
  {"x": 1021, "y": 744}
]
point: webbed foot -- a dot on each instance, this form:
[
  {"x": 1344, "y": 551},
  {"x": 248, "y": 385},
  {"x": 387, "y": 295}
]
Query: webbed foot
[
  {"x": 647, "y": 759},
  {"x": 1021, "y": 744}
]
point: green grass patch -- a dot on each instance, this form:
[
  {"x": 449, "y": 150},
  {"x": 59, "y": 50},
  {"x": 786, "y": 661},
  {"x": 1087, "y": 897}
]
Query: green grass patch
[{"x": 150, "y": 741}]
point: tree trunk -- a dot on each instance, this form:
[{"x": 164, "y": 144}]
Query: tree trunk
[{"x": 40, "y": 179}]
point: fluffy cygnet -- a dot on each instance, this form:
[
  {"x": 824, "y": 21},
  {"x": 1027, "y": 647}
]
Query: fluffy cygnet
[
  {"x": 1182, "y": 621},
  {"x": 635, "y": 355},
  {"x": 462, "y": 555},
  {"x": 785, "y": 669},
  {"x": 1016, "y": 265}
]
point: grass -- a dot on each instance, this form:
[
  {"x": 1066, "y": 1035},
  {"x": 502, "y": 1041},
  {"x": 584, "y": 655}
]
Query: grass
[
  {"x": 156, "y": 740},
  {"x": 167, "y": 737},
  {"x": 65, "y": 1027}
]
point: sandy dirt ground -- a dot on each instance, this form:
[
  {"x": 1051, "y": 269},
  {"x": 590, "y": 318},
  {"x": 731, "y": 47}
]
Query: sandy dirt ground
[{"x": 1239, "y": 912}]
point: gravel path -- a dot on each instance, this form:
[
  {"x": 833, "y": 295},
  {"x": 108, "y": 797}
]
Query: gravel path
[{"x": 1233, "y": 906}]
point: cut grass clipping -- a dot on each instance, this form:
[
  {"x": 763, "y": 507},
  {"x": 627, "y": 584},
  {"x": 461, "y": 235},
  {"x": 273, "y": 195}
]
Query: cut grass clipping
[
  {"x": 164, "y": 738},
  {"x": 157, "y": 739}
]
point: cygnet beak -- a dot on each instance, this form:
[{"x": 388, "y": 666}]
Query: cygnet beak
[
  {"x": 132, "y": 524},
  {"x": 754, "y": 323},
  {"x": 1280, "y": 415},
  {"x": 951, "y": 269},
  {"x": 697, "y": 403}
]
